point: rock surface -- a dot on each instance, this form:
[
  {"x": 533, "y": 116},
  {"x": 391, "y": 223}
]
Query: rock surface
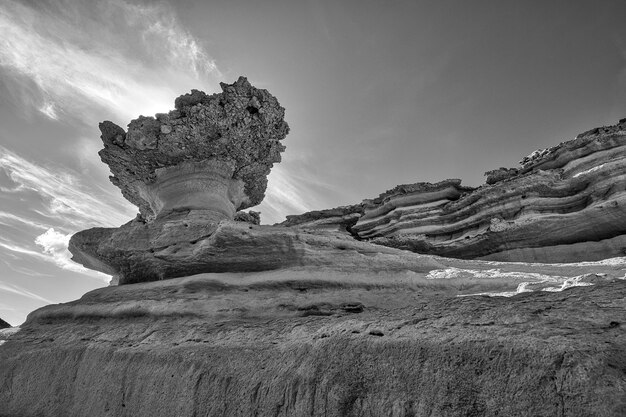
[
  {"x": 328, "y": 314},
  {"x": 319, "y": 345},
  {"x": 4, "y": 324},
  {"x": 240, "y": 128},
  {"x": 564, "y": 204}
]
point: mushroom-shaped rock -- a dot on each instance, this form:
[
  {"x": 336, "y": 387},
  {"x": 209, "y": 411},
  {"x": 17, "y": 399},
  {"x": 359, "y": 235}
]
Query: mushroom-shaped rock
[{"x": 213, "y": 152}]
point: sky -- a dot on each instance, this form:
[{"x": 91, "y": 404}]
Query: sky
[{"x": 377, "y": 93}]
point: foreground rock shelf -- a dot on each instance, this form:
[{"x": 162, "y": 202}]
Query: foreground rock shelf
[{"x": 205, "y": 346}]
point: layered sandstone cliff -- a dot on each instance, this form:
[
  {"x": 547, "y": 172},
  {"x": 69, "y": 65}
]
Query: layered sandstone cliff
[{"x": 564, "y": 204}]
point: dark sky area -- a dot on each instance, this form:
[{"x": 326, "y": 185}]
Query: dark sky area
[{"x": 378, "y": 93}]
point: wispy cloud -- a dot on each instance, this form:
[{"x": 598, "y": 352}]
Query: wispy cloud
[
  {"x": 62, "y": 194},
  {"x": 294, "y": 189},
  {"x": 10, "y": 219},
  {"x": 128, "y": 58},
  {"x": 15, "y": 289},
  {"x": 49, "y": 109},
  {"x": 54, "y": 245},
  {"x": 53, "y": 204},
  {"x": 55, "y": 251},
  {"x": 283, "y": 195}
]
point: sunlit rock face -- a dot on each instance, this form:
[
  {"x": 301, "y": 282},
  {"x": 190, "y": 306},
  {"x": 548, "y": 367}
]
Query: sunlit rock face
[
  {"x": 207, "y": 141},
  {"x": 563, "y": 204}
]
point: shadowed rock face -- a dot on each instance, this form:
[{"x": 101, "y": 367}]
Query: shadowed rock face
[
  {"x": 4, "y": 324},
  {"x": 564, "y": 204},
  {"x": 228, "y": 140}
]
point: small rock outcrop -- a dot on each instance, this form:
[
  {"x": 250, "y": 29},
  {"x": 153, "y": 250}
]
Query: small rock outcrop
[
  {"x": 563, "y": 204},
  {"x": 4, "y": 324}
]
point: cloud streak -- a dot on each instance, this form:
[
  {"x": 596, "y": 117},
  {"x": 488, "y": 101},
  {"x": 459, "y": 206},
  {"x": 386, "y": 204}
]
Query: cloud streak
[
  {"x": 126, "y": 58},
  {"x": 15, "y": 289},
  {"x": 55, "y": 245},
  {"x": 53, "y": 203},
  {"x": 62, "y": 195}
]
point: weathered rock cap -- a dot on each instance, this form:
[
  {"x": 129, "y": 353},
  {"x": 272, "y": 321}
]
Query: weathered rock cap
[{"x": 238, "y": 130}]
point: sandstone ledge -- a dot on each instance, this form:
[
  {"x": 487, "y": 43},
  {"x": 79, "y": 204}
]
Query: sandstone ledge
[{"x": 204, "y": 346}]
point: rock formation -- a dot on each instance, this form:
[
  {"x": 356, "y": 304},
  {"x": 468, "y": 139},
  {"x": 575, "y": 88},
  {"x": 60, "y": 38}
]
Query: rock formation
[
  {"x": 186, "y": 171},
  {"x": 4, "y": 324},
  {"x": 213, "y": 152},
  {"x": 328, "y": 314},
  {"x": 564, "y": 204},
  {"x": 319, "y": 344}
]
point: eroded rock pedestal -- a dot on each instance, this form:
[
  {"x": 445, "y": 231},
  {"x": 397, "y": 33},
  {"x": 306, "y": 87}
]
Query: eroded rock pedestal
[
  {"x": 186, "y": 171},
  {"x": 239, "y": 129}
]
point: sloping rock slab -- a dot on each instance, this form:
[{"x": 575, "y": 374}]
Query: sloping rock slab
[{"x": 205, "y": 346}]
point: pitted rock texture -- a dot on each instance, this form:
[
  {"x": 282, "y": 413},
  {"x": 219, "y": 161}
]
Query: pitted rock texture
[
  {"x": 250, "y": 345},
  {"x": 252, "y": 217},
  {"x": 564, "y": 204},
  {"x": 241, "y": 126}
]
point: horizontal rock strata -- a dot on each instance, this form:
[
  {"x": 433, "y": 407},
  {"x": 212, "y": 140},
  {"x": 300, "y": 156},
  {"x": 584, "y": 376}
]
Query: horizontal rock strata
[
  {"x": 183, "y": 244},
  {"x": 564, "y": 204},
  {"x": 253, "y": 344}
]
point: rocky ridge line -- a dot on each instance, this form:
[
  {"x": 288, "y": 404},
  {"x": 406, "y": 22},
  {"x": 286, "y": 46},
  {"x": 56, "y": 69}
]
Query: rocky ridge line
[{"x": 565, "y": 204}]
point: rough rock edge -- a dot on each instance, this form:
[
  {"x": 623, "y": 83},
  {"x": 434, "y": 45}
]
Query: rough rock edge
[
  {"x": 541, "y": 156},
  {"x": 252, "y": 217}
]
